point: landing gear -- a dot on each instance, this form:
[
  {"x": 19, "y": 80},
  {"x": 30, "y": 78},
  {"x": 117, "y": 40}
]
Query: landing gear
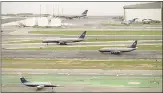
[
  {"x": 116, "y": 53},
  {"x": 63, "y": 43},
  {"x": 52, "y": 90},
  {"x": 47, "y": 44}
]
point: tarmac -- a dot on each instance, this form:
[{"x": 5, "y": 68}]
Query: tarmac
[
  {"x": 81, "y": 54},
  {"x": 79, "y": 80},
  {"x": 16, "y": 33},
  {"x": 78, "y": 88},
  {"x": 15, "y": 45}
]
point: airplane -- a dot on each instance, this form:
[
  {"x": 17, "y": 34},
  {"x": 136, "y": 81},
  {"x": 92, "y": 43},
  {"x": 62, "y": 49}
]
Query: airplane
[
  {"x": 84, "y": 14},
  {"x": 119, "y": 50},
  {"x": 64, "y": 41},
  {"x": 38, "y": 85},
  {"x": 129, "y": 21}
]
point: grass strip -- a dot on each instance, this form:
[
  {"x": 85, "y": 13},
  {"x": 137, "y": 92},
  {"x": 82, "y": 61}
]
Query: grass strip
[{"x": 81, "y": 64}]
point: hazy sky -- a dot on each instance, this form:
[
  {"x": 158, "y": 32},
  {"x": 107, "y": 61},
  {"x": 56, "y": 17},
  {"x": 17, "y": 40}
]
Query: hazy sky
[{"x": 69, "y": 8}]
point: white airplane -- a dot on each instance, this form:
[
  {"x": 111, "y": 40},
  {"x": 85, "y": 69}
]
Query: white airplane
[
  {"x": 84, "y": 14},
  {"x": 129, "y": 21},
  {"x": 64, "y": 41},
  {"x": 38, "y": 85},
  {"x": 119, "y": 50}
]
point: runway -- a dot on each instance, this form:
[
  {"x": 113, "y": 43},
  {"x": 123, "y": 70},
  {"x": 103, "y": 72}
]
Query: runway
[
  {"x": 81, "y": 54},
  {"x": 79, "y": 80},
  {"x": 13, "y": 45},
  {"x": 115, "y": 37},
  {"x": 77, "y": 88}
]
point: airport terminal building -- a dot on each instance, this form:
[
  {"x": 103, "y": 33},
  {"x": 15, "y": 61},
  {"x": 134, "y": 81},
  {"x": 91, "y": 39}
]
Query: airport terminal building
[{"x": 143, "y": 11}]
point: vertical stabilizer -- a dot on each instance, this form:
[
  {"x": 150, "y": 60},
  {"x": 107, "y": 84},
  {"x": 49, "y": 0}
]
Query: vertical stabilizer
[
  {"x": 133, "y": 45},
  {"x": 23, "y": 80},
  {"x": 83, "y": 35}
]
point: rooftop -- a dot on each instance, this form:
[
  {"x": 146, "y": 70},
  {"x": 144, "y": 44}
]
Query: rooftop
[{"x": 153, "y": 5}]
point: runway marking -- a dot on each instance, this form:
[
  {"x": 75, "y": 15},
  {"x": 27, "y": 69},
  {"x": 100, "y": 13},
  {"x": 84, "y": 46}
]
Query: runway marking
[
  {"x": 133, "y": 82},
  {"x": 37, "y": 73},
  {"x": 146, "y": 74},
  {"x": 121, "y": 74}
]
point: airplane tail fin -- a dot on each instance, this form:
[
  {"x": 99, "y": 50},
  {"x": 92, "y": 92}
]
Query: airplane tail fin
[
  {"x": 82, "y": 35},
  {"x": 23, "y": 80},
  {"x": 85, "y": 13},
  {"x": 135, "y": 19},
  {"x": 133, "y": 45}
]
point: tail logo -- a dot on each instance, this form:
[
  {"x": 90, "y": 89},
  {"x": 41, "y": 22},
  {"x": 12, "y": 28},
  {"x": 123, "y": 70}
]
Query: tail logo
[
  {"x": 134, "y": 43},
  {"x": 85, "y": 12},
  {"x": 23, "y": 80},
  {"x": 83, "y": 34}
]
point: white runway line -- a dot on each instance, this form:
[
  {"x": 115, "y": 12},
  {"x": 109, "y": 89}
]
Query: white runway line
[
  {"x": 133, "y": 83},
  {"x": 146, "y": 74},
  {"x": 37, "y": 73}
]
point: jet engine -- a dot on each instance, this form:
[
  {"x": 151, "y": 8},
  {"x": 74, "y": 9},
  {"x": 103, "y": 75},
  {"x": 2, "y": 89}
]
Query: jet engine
[
  {"x": 62, "y": 43},
  {"x": 116, "y": 52},
  {"x": 40, "y": 86}
]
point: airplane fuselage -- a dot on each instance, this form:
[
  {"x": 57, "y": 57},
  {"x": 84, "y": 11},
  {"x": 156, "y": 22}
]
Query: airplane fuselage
[
  {"x": 117, "y": 49},
  {"x": 35, "y": 84},
  {"x": 63, "y": 40}
]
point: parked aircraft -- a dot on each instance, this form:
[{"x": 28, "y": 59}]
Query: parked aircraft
[
  {"x": 84, "y": 14},
  {"x": 64, "y": 41},
  {"x": 38, "y": 85},
  {"x": 129, "y": 21},
  {"x": 120, "y": 50}
]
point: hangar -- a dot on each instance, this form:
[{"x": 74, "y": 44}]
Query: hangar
[{"x": 143, "y": 11}]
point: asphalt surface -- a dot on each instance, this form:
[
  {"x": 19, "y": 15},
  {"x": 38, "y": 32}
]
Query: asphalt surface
[
  {"x": 7, "y": 20},
  {"x": 81, "y": 54},
  {"x": 12, "y": 33},
  {"x": 79, "y": 44},
  {"x": 78, "y": 88}
]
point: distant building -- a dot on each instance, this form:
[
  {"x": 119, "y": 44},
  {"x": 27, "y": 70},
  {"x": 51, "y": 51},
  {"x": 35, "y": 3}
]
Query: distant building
[{"x": 143, "y": 11}]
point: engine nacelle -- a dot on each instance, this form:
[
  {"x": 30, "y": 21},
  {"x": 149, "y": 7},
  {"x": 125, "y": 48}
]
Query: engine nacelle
[
  {"x": 62, "y": 43},
  {"x": 116, "y": 52},
  {"x": 40, "y": 86}
]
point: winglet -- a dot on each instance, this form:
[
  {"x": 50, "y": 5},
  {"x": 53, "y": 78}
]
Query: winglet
[
  {"x": 134, "y": 44},
  {"x": 83, "y": 35}
]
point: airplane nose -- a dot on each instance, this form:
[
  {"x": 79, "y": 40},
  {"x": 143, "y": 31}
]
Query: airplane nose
[
  {"x": 43, "y": 41},
  {"x": 100, "y": 50}
]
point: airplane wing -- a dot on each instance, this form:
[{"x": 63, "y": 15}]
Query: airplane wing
[{"x": 40, "y": 86}]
